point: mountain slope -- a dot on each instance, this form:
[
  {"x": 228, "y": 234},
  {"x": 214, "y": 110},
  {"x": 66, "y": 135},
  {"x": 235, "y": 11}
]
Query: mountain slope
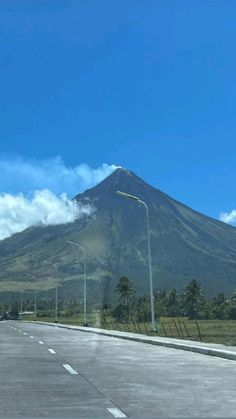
[{"x": 185, "y": 244}]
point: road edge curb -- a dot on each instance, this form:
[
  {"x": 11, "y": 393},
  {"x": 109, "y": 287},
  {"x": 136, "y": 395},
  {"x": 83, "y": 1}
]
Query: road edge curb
[{"x": 205, "y": 350}]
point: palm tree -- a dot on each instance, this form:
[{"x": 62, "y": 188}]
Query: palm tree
[{"x": 126, "y": 291}]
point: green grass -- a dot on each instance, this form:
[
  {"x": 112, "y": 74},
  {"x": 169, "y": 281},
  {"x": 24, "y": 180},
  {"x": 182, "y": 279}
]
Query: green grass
[{"x": 212, "y": 331}]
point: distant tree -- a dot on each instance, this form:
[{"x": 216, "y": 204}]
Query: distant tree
[
  {"x": 160, "y": 303},
  {"x": 205, "y": 313},
  {"x": 193, "y": 299},
  {"x": 220, "y": 307},
  {"x": 126, "y": 294},
  {"x": 121, "y": 313},
  {"x": 173, "y": 303},
  {"x": 125, "y": 290},
  {"x": 232, "y": 312},
  {"x": 232, "y": 307},
  {"x": 143, "y": 309}
]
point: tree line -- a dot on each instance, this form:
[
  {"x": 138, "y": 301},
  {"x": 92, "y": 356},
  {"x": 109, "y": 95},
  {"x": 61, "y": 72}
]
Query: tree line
[
  {"x": 45, "y": 307},
  {"x": 129, "y": 306},
  {"x": 191, "y": 303}
]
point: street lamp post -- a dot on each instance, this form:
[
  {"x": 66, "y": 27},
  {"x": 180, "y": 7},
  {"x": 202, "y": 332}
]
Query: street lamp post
[
  {"x": 135, "y": 198},
  {"x": 21, "y": 305},
  {"x": 56, "y": 296},
  {"x": 9, "y": 302},
  {"x": 85, "y": 278},
  {"x": 35, "y": 296}
]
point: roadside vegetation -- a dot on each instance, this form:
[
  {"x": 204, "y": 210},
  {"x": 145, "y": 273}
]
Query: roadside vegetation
[{"x": 187, "y": 315}]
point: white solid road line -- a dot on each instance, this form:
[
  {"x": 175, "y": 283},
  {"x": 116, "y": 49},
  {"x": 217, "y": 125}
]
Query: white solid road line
[
  {"x": 41, "y": 343},
  {"x": 70, "y": 369},
  {"x": 51, "y": 351},
  {"x": 117, "y": 413}
]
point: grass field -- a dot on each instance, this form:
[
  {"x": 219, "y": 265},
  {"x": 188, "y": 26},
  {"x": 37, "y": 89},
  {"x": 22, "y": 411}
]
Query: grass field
[{"x": 214, "y": 331}]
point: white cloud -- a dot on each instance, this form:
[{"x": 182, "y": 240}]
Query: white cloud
[
  {"x": 32, "y": 192},
  {"x": 17, "y": 212},
  {"x": 228, "y": 217},
  {"x": 18, "y": 174}
]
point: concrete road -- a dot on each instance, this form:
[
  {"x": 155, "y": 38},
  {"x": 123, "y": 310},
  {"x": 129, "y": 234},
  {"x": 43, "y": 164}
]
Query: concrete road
[{"x": 52, "y": 372}]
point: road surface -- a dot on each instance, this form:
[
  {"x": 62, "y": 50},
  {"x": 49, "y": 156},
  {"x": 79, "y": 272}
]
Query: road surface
[{"x": 50, "y": 372}]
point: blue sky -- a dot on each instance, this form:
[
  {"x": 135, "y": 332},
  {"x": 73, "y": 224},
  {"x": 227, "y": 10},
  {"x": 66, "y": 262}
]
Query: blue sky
[{"x": 148, "y": 85}]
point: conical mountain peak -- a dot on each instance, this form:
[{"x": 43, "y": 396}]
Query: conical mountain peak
[
  {"x": 121, "y": 174},
  {"x": 121, "y": 179},
  {"x": 185, "y": 244}
]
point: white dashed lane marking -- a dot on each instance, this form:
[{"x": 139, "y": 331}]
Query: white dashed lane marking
[
  {"x": 114, "y": 411},
  {"x": 117, "y": 413},
  {"x": 70, "y": 369}
]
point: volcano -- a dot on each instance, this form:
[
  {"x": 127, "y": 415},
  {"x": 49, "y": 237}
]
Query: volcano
[{"x": 185, "y": 244}]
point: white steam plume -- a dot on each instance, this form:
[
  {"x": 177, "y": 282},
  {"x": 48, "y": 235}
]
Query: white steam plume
[
  {"x": 17, "y": 212},
  {"x": 228, "y": 217}
]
